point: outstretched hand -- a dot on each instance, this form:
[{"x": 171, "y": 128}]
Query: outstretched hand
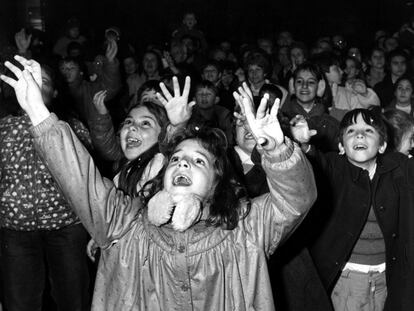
[
  {"x": 28, "y": 88},
  {"x": 300, "y": 130},
  {"x": 22, "y": 40},
  {"x": 99, "y": 102},
  {"x": 111, "y": 50},
  {"x": 178, "y": 108},
  {"x": 264, "y": 126}
]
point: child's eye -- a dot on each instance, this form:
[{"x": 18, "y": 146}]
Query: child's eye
[
  {"x": 174, "y": 159},
  {"x": 127, "y": 122},
  {"x": 200, "y": 162},
  {"x": 145, "y": 124},
  {"x": 369, "y": 131},
  {"x": 350, "y": 131}
]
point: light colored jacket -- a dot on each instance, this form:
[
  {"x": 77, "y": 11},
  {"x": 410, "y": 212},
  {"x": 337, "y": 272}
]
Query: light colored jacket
[{"x": 144, "y": 267}]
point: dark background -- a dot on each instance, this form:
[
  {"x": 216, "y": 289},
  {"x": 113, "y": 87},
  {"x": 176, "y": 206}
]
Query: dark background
[{"x": 145, "y": 21}]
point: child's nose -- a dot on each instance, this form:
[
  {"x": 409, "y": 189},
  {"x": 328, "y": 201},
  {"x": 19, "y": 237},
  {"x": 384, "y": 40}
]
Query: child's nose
[
  {"x": 360, "y": 134},
  {"x": 183, "y": 163}
]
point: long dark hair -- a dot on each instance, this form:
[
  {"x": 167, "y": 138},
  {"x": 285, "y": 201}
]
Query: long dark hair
[
  {"x": 130, "y": 172},
  {"x": 225, "y": 208}
]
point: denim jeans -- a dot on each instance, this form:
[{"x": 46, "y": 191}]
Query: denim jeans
[
  {"x": 25, "y": 258},
  {"x": 358, "y": 291}
]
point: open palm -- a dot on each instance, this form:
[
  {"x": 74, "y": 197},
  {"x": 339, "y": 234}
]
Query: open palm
[
  {"x": 178, "y": 108},
  {"x": 264, "y": 125}
]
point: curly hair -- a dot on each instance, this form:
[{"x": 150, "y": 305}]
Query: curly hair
[{"x": 225, "y": 209}]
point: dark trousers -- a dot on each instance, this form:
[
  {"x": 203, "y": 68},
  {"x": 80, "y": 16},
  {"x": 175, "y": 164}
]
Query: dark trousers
[{"x": 25, "y": 258}]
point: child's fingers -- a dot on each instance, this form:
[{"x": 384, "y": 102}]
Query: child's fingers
[
  {"x": 16, "y": 71},
  {"x": 161, "y": 99},
  {"x": 176, "y": 87},
  {"x": 21, "y": 59},
  {"x": 29, "y": 77},
  {"x": 275, "y": 108},
  {"x": 261, "y": 110},
  {"x": 243, "y": 92},
  {"x": 191, "y": 104},
  {"x": 248, "y": 111},
  {"x": 187, "y": 86},
  {"x": 9, "y": 80},
  {"x": 165, "y": 91},
  {"x": 239, "y": 101},
  {"x": 97, "y": 95},
  {"x": 247, "y": 90}
]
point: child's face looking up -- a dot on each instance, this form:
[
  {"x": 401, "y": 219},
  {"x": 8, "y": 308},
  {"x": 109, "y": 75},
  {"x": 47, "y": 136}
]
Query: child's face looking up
[
  {"x": 139, "y": 132},
  {"x": 306, "y": 86},
  {"x": 191, "y": 170},
  {"x": 361, "y": 144},
  {"x": 334, "y": 75}
]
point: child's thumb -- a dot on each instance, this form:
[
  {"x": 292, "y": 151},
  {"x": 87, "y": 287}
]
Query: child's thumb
[{"x": 312, "y": 133}]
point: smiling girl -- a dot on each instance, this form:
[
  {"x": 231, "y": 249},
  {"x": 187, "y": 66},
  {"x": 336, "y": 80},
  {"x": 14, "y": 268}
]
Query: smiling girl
[{"x": 218, "y": 262}]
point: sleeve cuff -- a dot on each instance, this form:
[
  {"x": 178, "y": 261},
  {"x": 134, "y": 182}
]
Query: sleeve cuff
[
  {"x": 280, "y": 154},
  {"x": 44, "y": 126}
]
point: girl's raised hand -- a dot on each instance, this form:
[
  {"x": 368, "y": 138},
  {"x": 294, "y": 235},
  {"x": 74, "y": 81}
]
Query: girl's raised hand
[
  {"x": 99, "y": 102},
  {"x": 264, "y": 125},
  {"x": 178, "y": 108},
  {"x": 28, "y": 88}
]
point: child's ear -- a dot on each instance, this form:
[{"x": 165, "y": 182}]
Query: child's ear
[
  {"x": 291, "y": 86},
  {"x": 321, "y": 88},
  {"x": 55, "y": 93},
  {"x": 341, "y": 149},
  {"x": 217, "y": 100},
  {"x": 382, "y": 148}
]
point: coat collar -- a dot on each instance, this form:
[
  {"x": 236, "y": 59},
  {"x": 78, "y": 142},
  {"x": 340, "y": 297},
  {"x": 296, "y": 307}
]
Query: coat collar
[{"x": 385, "y": 164}]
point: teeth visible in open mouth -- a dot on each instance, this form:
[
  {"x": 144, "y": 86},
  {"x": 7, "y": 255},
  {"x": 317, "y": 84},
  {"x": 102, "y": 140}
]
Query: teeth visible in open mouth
[
  {"x": 133, "y": 142},
  {"x": 181, "y": 180},
  {"x": 360, "y": 147}
]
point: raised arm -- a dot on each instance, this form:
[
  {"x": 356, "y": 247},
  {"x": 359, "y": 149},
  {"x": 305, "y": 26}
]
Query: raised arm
[
  {"x": 102, "y": 130},
  {"x": 110, "y": 79},
  {"x": 290, "y": 177},
  {"x": 105, "y": 212}
]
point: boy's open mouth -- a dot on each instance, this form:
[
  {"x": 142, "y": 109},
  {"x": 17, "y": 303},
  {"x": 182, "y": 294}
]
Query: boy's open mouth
[
  {"x": 181, "y": 180},
  {"x": 360, "y": 147}
]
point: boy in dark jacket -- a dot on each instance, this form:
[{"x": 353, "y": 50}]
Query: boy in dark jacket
[{"x": 363, "y": 251}]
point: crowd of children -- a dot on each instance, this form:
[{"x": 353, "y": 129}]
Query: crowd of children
[{"x": 267, "y": 176}]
